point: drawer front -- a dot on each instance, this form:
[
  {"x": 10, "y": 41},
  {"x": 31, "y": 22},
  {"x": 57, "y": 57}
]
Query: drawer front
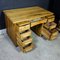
[
  {"x": 23, "y": 28},
  {"x": 29, "y": 48},
  {"x": 38, "y": 22},
  {"x": 26, "y": 48},
  {"x": 24, "y": 35},
  {"x": 52, "y": 38},
  {"x": 55, "y": 33},
  {"x": 24, "y": 43},
  {"x": 52, "y": 27},
  {"x": 51, "y": 19}
]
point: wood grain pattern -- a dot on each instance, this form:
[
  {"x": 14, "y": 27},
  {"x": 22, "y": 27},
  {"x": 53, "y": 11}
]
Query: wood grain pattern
[
  {"x": 19, "y": 21},
  {"x": 23, "y": 26},
  {"x": 24, "y": 35},
  {"x": 26, "y": 14}
]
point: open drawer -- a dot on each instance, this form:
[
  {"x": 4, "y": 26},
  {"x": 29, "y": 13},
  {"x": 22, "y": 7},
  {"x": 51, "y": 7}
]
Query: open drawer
[
  {"x": 24, "y": 42},
  {"x": 50, "y": 25},
  {"x": 45, "y": 33},
  {"x": 49, "y": 34},
  {"x": 27, "y": 48}
]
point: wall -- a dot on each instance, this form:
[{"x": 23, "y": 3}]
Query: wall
[
  {"x": 54, "y": 7},
  {"x": 10, "y": 4}
]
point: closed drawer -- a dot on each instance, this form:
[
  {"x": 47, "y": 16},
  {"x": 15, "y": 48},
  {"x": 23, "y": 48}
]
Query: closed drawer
[
  {"x": 24, "y": 35},
  {"x": 51, "y": 19},
  {"x": 23, "y": 26},
  {"x": 34, "y": 23}
]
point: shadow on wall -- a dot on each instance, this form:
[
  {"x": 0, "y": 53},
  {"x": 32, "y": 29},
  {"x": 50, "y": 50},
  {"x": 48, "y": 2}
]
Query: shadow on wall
[
  {"x": 2, "y": 20},
  {"x": 11, "y": 4}
]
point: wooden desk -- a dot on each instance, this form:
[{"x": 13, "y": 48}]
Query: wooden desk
[{"x": 27, "y": 17}]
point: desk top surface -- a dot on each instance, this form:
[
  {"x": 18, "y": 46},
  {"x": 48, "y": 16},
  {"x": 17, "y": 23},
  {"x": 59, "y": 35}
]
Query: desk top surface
[{"x": 26, "y": 14}]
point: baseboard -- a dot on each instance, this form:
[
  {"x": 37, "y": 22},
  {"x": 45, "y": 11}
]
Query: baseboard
[{"x": 2, "y": 31}]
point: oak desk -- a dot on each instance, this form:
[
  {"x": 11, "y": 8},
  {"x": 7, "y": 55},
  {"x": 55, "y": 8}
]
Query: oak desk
[{"x": 27, "y": 17}]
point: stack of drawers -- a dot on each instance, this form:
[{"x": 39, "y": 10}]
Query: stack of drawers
[
  {"x": 49, "y": 31},
  {"x": 50, "y": 19},
  {"x": 24, "y": 39}
]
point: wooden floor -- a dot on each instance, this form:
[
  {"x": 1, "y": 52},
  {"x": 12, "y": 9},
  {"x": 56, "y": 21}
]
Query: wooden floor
[{"x": 45, "y": 50}]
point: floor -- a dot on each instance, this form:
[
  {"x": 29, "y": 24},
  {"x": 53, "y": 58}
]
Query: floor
[{"x": 44, "y": 50}]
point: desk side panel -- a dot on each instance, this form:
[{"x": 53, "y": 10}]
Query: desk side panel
[{"x": 11, "y": 30}]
